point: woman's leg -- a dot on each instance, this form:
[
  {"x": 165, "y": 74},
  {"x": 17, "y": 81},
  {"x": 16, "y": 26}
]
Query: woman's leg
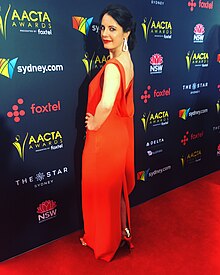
[{"x": 123, "y": 214}]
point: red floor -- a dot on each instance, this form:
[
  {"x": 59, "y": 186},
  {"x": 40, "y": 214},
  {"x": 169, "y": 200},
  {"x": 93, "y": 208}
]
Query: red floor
[{"x": 176, "y": 233}]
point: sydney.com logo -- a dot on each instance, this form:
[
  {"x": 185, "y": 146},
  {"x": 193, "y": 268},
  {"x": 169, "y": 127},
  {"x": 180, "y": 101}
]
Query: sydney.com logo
[{"x": 7, "y": 68}]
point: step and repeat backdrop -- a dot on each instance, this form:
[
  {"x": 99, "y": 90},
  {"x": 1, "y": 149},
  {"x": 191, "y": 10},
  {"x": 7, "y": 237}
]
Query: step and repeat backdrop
[{"x": 49, "y": 52}]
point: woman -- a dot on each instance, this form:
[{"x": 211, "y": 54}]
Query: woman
[{"x": 108, "y": 156}]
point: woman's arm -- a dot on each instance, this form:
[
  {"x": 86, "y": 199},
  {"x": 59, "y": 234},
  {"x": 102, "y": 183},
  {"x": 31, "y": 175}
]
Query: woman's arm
[{"x": 109, "y": 92}]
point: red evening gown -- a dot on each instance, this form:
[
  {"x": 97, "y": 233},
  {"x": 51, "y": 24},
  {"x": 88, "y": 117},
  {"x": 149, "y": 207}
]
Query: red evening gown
[{"x": 108, "y": 168}]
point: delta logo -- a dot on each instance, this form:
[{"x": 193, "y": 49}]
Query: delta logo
[
  {"x": 195, "y": 87},
  {"x": 48, "y": 141},
  {"x": 16, "y": 112},
  {"x": 155, "y": 142},
  {"x": 155, "y": 93},
  {"x": 157, "y": 28},
  {"x": 185, "y": 113},
  {"x": 26, "y": 21},
  {"x": 155, "y": 119},
  {"x": 199, "y": 31},
  {"x": 197, "y": 59},
  {"x": 94, "y": 61},
  {"x": 47, "y": 210},
  {"x": 41, "y": 179},
  {"x": 82, "y": 24},
  {"x": 144, "y": 175},
  {"x": 191, "y": 158},
  {"x": 216, "y": 129},
  {"x": 152, "y": 146},
  {"x": 202, "y": 4},
  {"x": 7, "y": 66},
  {"x": 156, "y": 64},
  {"x": 191, "y": 136},
  {"x": 157, "y": 2}
]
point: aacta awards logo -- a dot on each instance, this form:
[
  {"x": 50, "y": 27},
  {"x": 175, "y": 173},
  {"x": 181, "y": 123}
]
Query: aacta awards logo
[
  {"x": 155, "y": 119},
  {"x": 218, "y": 106},
  {"x": 38, "y": 143},
  {"x": 7, "y": 66},
  {"x": 157, "y": 28},
  {"x": 156, "y": 62},
  {"x": 25, "y": 21},
  {"x": 82, "y": 24},
  {"x": 47, "y": 210},
  {"x": 199, "y": 31},
  {"x": 94, "y": 61},
  {"x": 197, "y": 59},
  {"x": 192, "y": 157},
  {"x": 3, "y": 21},
  {"x": 202, "y": 4}
]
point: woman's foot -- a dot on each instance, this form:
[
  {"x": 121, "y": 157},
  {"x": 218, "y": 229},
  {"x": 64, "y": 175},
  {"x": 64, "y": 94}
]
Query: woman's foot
[
  {"x": 83, "y": 243},
  {"x": 126, "y": 238}
]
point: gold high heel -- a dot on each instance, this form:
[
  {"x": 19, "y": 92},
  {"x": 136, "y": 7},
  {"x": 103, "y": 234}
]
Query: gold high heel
[{"x": 83, "y": 243}]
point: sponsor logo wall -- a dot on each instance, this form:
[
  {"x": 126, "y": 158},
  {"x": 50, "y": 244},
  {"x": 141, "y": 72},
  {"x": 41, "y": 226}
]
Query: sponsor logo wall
[{"x": 48, "y": 57}]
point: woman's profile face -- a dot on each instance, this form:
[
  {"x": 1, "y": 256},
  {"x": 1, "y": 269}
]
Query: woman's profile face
[{"x": 111, "y": 33}]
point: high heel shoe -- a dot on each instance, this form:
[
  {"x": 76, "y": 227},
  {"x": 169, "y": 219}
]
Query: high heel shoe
[
  {"x": 126, "y": 238},
  {"x": 83, "y": 243}
]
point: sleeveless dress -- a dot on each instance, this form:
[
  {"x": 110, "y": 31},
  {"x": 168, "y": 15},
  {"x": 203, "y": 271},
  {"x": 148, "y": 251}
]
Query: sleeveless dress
[{"x": 108, "y": 168}]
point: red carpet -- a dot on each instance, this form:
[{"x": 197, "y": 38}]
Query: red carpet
[{"x": 176, "y": 233}]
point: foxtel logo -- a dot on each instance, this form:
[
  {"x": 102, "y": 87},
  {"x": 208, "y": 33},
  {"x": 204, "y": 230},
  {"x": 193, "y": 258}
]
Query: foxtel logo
[{"x": 45, "y": 108}]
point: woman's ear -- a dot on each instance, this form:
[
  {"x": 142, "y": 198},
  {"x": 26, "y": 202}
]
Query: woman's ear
[{"x": 126, "y": 34}]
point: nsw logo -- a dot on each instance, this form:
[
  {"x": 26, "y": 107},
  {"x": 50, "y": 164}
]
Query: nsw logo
[
  {"x": 47, "y": 210},
  {"x": 199, "y": 31},
  {"x": 156, "y": 64}
]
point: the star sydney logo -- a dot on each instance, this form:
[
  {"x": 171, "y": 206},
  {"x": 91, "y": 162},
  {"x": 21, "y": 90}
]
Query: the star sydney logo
[{"x": 82, "y": 24}]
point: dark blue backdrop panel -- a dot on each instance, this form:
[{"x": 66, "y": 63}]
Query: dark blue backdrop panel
[{"x": 49, "y": 52}]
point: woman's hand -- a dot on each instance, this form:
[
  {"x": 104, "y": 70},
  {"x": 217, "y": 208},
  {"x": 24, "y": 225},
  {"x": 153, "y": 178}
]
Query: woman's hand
[{"x": 90, "y": 122}]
